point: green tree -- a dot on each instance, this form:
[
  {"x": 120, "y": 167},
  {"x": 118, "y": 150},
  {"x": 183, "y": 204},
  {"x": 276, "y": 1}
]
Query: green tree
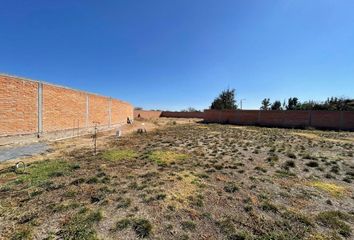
[
  {"x": 265, "y": 104},
  {"x": 276, "y": 105},
  {"x": 226, "y": 100},
  {"x": 190, "y": 109},
  {"x": 293, "y": 104}
]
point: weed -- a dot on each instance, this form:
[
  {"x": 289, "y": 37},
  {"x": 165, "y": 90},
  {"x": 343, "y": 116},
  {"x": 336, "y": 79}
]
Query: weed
[
  {"x": 291, "y": 155},
  {"x": 123, "y": 202},
  {"x": 289, "y": 164},
  {"x": 226, "y": 226},
  {"x": 231, "y": 187},
  {"x": 188, "y": 225},
  {"x": 40, "y": 172},
  {"x": 123, "y": 224},
  {"x": 22, "y": 234},
  {"x": 119, "y": 154},
  {"x": 333, "y": 220},
  {"x": 142, "y": 227},
  {"x": 333, "y": 189},
  {"x": 166, "y": 157},
  {"x": 267, "y": 206},
  {"x": 273, "y": 158},
  {"x": 312, "y": 164},
  {"x": 80, "y": 226}
]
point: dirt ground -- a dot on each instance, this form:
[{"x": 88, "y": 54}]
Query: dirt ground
[{"x": 185, "y": 180}]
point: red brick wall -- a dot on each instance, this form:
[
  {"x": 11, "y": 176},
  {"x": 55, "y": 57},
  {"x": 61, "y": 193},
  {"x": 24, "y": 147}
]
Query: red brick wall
[
  {"x": 18, "y": 106},
  {"x": 98, "y": 110},
  {"x": 182, "y": 114},
  {"x": 120, "y": 111},
  {"x": 144, "y": 114},
  {"x": 348, "y": 120},
  {"x": 62, "y": 108},
  {"x": 317, "y": 119},
  {"x": 326, "y": 119},
  {"x": 247, "y": 117}
]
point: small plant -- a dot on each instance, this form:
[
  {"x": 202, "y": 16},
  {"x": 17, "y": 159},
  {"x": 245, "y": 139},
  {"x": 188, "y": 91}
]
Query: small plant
[
  {"x": 312, "y": 164},
  {"x": 226, "y": 226},
  {"x": 289, "y": 164},
  {"x": 291, "y": 155},
  {"x": 188, "y": 225},
  {"x": 273, "y": 158},
  {"x": 22, "y": 234},
  {"x": 334, "y": 220},
  {"x": 123, "y": 224},
  {"x": 331, "y": 188},
  {"x": 124, "y": 202},
  {"x": 230, "y": 187},
  {"x": 118, "y": 155},
  {"x": 142, "y": 227},
  {"x": 166, "y": 157},
  {"x": 267, "y": 206},
  {"x": 80, "y": 226}
]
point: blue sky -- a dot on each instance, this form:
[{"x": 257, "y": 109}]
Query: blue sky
[{"x": 169, "y": 54}]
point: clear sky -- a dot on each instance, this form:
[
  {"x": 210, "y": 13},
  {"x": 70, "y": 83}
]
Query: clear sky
[{"x": 173, "y": 54}]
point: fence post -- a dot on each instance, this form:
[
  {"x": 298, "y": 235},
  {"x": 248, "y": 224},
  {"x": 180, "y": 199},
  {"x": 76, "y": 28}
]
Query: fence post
[
  {"x": 310, "y": 118},
  {"x": 259, "y": 117},
  {"x": 40, "y": 109},
  {"x": 341, "y": 121}
]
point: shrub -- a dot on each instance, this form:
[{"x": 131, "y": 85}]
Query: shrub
[
  {"x": 312, "y": 164},
  {"x": 333, "y": 220},
  {"x": 188, "y": 225},
  {"x": 231, "y": 187},
  {"x": 142, "y": 227}
]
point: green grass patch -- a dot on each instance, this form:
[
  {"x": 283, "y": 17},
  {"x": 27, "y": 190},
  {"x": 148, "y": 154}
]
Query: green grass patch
[
  {"x": 80, "y": 226},
  {"x": 166, "y": 157},
  {"x": 142, "y": 227},
  {"x": 333, "y": 220},
  {"x": 40, "y": 172},
  {"x": 119, "y": 154}
]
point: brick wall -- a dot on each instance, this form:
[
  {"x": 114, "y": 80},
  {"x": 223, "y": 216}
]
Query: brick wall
[
  {"x": 145, "y": 114},
  {"x": 317, "y": 119},
  {"x": 18, "y": 106},
  {"x": 182, "y": 114},
  {"x": 63, "y": 108},
  {"x": 120, "y": 111},
  {"x": 31, "y": 107}
]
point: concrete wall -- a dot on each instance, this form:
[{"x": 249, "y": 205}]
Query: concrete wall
[
  {"x": 294, "y": 119},
  {"x": 32, "y": 107}
]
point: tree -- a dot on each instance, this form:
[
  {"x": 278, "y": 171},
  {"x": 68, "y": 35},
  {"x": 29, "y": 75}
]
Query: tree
[
  {"x": 265, "y": 104},
  {"x": 293, "y": 104},
  {"x": 190, "y": 109},
  {"x": 276, "y": 105},
  {"x": 226, "y": 100},
  {"x": 138, "y": 108}
]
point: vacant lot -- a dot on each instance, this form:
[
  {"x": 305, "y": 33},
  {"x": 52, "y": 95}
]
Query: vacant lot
[{"x": 188, "y": 181}]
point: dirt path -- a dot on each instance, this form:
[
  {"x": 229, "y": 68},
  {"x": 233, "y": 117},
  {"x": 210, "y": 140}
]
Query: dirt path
[{"x": 23, "y": 151}]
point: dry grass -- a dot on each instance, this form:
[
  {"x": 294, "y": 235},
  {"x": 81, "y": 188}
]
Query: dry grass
[
  {"x": 187, "y": 181},
  {"x": 331, "y": 188}
]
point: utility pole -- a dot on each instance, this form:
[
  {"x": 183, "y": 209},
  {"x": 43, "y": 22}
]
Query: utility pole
[{"x": 241, "y": 101}]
